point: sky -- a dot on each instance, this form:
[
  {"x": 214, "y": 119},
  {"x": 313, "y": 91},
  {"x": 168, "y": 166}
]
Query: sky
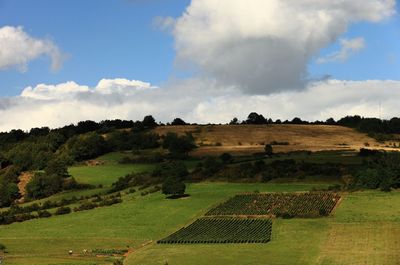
[{"x": 201, "y": 60}]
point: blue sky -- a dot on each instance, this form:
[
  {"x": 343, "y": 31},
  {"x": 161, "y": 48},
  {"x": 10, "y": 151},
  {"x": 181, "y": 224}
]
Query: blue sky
[
  {"x": 101, "y": 40},
  {"x": 244, "y": 56},
  {"x": 110, "y": 39},
  {"x": 380, "y": 59}
]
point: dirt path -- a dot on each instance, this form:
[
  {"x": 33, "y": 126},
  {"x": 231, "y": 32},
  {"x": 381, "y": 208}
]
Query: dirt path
[{"x": 24, "y": 179}]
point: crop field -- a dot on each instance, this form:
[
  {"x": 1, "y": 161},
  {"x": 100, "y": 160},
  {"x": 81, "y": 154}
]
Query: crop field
[
  {"x": 311, "y": 204},
  {"x": 222, "y": 230}
]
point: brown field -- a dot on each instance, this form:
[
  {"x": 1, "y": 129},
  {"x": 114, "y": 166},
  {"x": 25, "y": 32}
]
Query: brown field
[{"x": 247, "y": 139}]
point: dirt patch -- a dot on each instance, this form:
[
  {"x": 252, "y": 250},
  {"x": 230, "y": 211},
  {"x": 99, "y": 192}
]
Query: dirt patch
[
  {"x": 131, "y": 250},
  {"x": 94, "y": 163},
  {"x": 24, "y": 179}
]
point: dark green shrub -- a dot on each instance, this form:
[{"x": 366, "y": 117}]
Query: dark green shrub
[
  {"x": 86, "y": 206},
  {"x": 63, "y": 210},
  {"x": 44, "y": 214},
  {"x": 226, "y": 158}
]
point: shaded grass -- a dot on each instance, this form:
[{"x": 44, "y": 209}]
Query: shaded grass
[{"x": 106, "y": 174}]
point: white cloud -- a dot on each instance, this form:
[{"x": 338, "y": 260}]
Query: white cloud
[
  {"x": 57, "y": 105},
  {"x": 17, "y": 49},
  {"x": 108, "y": 86},
  {"x": 348, "y": 47},
  {"x": 43, "y": 91},
  {"x": 264, "y": 46}
]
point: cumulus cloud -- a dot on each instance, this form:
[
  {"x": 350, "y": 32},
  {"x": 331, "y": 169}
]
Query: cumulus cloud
[
  {"x": 262, "y": 46},
  {"x": 348, "y": 47},
  {"x": 60, "y": 104},
  {"x": 43, "y": 91},
  {"x": 17, "y": 49}
]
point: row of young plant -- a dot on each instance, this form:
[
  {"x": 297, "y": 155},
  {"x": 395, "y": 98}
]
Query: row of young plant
[
  {"x": 285, "y": 205},
  {"x": 98, "y": 251},
  {"x": 222, "y": 230},
  {"x": 21, "y": 214}
]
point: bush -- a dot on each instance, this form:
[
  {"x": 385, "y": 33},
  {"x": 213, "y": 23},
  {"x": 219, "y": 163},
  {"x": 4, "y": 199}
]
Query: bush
[
  {"x": 86, "y": 206},
  {"x": 44, "y": 214},
  {"x": 368, "y": 152},
  {"x": 2, "y": 247},
  {"x": 43, "y": 185},
  {"x": 110, "y": 201},
  {"x": 226, "y": 158},
  {"x": 63, "y": 210},
  {"x": 268, "y": 150}
]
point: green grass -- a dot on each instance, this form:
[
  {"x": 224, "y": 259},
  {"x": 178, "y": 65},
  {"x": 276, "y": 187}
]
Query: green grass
[
  {"x": 136, "y": 221},
  {"x": 107, "y": 173},
  {"x": 365, "y": 229},
  {"x": 293, "y": 242}
]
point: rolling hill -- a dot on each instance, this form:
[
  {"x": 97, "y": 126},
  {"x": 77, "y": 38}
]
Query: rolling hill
[{"x": 248, "y": 139}]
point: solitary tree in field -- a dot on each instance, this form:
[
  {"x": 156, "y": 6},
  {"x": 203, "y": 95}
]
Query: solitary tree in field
[
  {"x": 173, "y": 186},
  {"x": 268, "y": 150}
]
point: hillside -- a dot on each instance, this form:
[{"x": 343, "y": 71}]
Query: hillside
[{"x": 247, "y": 139}]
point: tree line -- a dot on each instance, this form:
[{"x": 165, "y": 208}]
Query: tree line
[{"x": 367, "y": 125}]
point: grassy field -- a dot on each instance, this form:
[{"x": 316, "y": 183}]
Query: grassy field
[
  {"x": 110, "y": 170},
  {"x": 134, "y": 222},
  {"x": 248, "y": 139},
  {"x": 107, "y": 172},
  {"x": 365, "y": 229}
]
